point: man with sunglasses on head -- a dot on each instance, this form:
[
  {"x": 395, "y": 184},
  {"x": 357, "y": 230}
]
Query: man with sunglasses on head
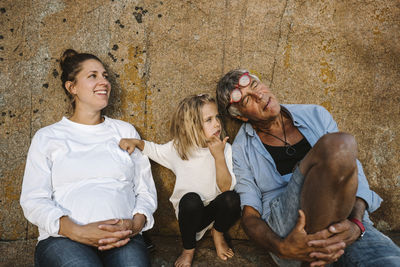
[{"x": 304, "y": 195}]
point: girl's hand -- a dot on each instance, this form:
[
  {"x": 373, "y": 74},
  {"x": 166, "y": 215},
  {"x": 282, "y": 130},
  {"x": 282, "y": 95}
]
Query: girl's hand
[
  {"x": 128, "y": 144},
  {"x": 217, "y": 146}
]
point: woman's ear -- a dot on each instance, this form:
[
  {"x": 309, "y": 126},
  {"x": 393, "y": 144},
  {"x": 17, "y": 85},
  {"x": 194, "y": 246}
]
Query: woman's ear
[{"x": 70, "y": 87}]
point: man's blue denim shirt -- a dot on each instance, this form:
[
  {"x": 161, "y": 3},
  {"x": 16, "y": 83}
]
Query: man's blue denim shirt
[{"x": 258, "y": 181}]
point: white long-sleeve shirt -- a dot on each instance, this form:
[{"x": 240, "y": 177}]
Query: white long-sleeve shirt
[
  {"x": 79, "y": 170},
  {"x": 198, "y": 174}
]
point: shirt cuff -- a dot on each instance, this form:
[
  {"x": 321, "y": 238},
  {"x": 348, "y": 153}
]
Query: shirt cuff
[
  {"x": 146, "y": 148},
  {"x": 372, "y": 199},
  {"x": 53, "y": 227},
  {"x": 252, "y": 202}
]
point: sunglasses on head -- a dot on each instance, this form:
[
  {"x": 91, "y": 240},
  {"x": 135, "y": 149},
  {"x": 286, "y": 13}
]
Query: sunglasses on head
[{"x": 236, "y": 94}]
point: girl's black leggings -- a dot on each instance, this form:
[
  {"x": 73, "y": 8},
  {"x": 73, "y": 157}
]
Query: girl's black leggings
[{"x": 193, "y": 216}]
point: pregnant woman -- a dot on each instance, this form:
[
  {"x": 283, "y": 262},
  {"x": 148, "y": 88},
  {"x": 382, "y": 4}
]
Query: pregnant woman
[{"x": 89, "y": 199}]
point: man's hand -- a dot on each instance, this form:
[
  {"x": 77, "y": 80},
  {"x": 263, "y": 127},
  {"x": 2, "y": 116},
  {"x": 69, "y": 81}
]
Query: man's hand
[
  {"x": 295, "y": 245},
  {"x": 330, "y": 249},
  {"x": 299, "y": 245}
]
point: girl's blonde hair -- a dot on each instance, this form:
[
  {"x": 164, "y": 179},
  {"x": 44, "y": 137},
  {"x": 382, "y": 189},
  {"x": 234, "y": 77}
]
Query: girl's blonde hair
[{"x": 187, "y": 124}]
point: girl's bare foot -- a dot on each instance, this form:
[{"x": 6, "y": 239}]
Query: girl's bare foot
[
  {"x": 185, "y": 259},
  {"x": 223, "y": 250}
]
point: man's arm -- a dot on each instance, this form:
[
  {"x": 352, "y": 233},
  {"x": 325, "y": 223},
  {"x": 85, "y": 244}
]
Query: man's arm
[
  {"x": 359, "y": 209},
  {"x": 259, "y": 231}
]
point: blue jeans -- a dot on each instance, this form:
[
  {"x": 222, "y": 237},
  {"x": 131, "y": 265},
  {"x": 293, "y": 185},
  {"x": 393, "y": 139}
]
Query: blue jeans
[
  {"x": 374, "y": 249},
  {"x": 61, "y": 251}
]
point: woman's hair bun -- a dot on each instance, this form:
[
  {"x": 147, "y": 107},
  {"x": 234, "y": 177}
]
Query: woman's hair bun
[
  {"x": 66, "y": 55},
  {"x": 71, "y": 64}
]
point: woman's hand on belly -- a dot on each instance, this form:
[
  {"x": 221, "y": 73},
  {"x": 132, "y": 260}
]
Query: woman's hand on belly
[
  {"x": 91, "y": 234},
  {"x": 134, "y": 225}
]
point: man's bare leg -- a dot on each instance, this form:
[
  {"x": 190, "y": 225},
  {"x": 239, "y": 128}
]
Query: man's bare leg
[{"x": 331, "y": 180}]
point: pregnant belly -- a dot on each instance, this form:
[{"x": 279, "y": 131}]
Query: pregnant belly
[{"x": 96, "y": 202}]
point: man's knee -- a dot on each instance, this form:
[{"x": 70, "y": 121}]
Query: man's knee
[
  {"x": 333, "y": 157},
  {"x": 337, "y": 152},
  {"x": 340, "y": 138},
  {"x": 335, "y": 144}
]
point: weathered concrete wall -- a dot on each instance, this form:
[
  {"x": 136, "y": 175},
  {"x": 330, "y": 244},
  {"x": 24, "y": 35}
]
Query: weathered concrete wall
[{"x": 341, "y": 54}]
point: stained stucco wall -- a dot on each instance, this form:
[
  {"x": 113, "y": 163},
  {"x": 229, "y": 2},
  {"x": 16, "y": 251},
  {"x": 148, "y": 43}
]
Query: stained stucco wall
[{"x": 343, "y": 55}]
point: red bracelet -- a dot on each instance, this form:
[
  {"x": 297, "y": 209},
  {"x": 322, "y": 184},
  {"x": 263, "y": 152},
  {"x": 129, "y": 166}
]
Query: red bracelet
[{"x": 359, "y": 224}]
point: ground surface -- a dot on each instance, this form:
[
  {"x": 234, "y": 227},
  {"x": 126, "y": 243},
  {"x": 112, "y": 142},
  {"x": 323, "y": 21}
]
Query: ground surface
[{"x": 20, "y": 253}]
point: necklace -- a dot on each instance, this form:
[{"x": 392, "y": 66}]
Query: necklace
[{"x": 290, "y": 151}]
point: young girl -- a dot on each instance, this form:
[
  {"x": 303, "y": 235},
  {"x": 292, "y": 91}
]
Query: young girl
[{"x": 202, "y": 163}]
